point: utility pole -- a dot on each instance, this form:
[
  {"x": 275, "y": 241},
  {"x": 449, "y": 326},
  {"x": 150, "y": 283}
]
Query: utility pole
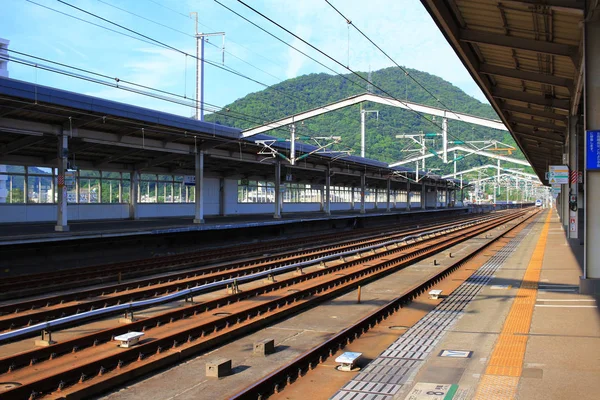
[
  {"x": 363, "y": 128},
  {"x": 200, "y": 38}
]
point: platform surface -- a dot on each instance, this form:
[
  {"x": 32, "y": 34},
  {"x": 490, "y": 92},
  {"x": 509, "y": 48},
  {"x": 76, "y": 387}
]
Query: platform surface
[
  {"x": 44, "y": 231},
  {"x": 518, "y": 329}
]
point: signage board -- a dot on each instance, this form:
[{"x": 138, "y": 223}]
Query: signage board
[
  {"x": 558, "y": 174},
  {"x": 70, "y": 178},
  {"x": 189, "y": 180},
  {"x": 592, "y": 149}
]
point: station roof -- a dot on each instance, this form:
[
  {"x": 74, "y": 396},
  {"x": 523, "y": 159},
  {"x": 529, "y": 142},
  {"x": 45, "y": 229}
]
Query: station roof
[
  {"x": 526, "y": 56},
  {"x": 114, "y": 136}
]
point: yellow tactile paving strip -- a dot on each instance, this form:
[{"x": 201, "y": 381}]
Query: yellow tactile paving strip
[{"x": 506, "y": 362}]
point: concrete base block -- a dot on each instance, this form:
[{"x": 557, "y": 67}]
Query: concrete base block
[
  {"x": 127, "y": 320},
  {"x": 233, "y": 290},
  {"x": 198, "y": 221},
  {"x": 218, "y": 368},
  {"x": 589, "y": 286},
  {"x": 61, "y": 228},
  {"x": 264, "y": 347},
  {"x": 44, "y": 343}
]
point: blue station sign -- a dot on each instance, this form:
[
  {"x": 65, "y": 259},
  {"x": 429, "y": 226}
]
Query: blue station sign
[{"x": 592, "y": 147}]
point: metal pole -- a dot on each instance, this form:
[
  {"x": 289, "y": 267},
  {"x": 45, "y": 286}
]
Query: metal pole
[
  {"x": 277, "y": 214},
  {"x": 389, "y": 188},
  {"x": 61, "y": 217},
  {"x": 445, "y": 139},
  {"x": 328, "y": 191},
  {"x": 202, "y": 78},
  {"x": 199, "y": 201},
  {"x": 362, "y": 132},
  {"x": 363, "y": 184},
  {"x": 293, "y": 144}
]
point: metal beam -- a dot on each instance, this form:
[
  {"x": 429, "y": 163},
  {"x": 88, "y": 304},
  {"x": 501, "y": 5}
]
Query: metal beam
[
  {"x": 466, "y": 150},
  {"x": 407, "y": 105},
  {"x": 538, "y": 123},
  {"x": 512, "y": 42},
  {"x": 20, "y": 144},
  {"x": 528, "y": 76},
  {"x": 531, "y": 111},
  {"x": 157, "y": 161},
  {"x": 539, "y": 99},
  {"x": 539, "y": 135},
  {"x": 578, "y": 5},
  {"x": 491, "y": 166}
]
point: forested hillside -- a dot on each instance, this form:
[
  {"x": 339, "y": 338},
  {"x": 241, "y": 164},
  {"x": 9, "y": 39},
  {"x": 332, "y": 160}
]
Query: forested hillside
[{"x": 314, "y": 90}]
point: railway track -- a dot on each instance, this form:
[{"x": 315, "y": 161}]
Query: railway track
[
  {"x": 32, "y": 284},
  {"x": 29, "y": 312},
  {"x": 277, "y": 380},
  {"x": 87, "y": 365}
]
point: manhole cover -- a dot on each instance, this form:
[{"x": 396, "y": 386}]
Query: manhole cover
[
  {"x": 8, "y": 385},
  {"x": 398, "y": 327},
  {"x": 222, "y": 314}
]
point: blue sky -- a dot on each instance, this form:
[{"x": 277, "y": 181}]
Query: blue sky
[{"x": 401, "y": 27}]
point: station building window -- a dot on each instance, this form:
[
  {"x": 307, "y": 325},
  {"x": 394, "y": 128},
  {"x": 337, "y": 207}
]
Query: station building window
[
  {"x": 37, "y": 185},
  {"x": 340, "y": 194},
  {"x": 301, "y": 193},
  {"x": 12, "y": 180},
  {"x": 415, "y": 197},
  {"x": 256, "y": 191}
]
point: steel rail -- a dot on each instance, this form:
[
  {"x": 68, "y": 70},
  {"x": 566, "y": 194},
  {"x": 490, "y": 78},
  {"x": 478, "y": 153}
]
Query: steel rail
[
  {"x": 27, "y": 285},
  {"x": 154, "y": 286},
  {"x": 293, "y": 301},
  {"x": 294, "y": 370},
  {"x": 50, "y": 325},
  {"x": 39, "y": 354},
  {"x": 12, "y": 308}
]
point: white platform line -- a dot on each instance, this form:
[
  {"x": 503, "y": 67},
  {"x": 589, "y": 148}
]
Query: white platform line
[
  {"x": 563, "y": 300},
  {"x": 565, "y": 306}
]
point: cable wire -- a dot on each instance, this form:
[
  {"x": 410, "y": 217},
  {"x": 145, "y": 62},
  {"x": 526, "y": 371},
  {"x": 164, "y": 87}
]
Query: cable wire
[
  {"x": 421, "y": 115},
  {"x": 189, "y": 35}
]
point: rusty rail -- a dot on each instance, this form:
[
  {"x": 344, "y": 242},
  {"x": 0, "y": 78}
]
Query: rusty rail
[
  {"x": 166, "y": 350},
  {"x": 280, "y": 378}
]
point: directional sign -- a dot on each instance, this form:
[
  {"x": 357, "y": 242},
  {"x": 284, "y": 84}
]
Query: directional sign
[
  {"x": 592, "y": 147},
  {"x": 558, "y": 174},
  {"x": 189, "y": 180}
]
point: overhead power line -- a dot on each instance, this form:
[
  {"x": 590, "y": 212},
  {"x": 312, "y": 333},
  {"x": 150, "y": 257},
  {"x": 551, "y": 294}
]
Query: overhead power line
[
  {"x": 289, "y": 45},
  {"x": 421, "y": 115},
  {"x": 349, "y": 22},
  {"x": 178, "y": 50},
  {"x": 117, "y": 83},
  {"x": 169, "y": 46},
  {"x": 190, "y": 36}
]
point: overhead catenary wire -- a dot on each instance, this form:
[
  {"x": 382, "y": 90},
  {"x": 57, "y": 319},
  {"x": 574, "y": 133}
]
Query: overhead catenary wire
[
  {"x": 208, "y": 27},
  {"x": 177, "y": 50},
  {"x": 169, "y": 46},
  {"x": 255, "y": 120},
  {"x": 349, "y": 22},
  {"x": 421, "y": 115},
  {"x": 217, "y": 110},
  {"x": 407, "y": 74},
  {"x": 191, "y": 36}
]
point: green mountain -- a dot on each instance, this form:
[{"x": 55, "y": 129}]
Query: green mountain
[{"x": 310, "y": 91}]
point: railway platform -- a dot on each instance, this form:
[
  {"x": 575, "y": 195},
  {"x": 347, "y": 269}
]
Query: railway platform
[{"x": 517, "y": 329}]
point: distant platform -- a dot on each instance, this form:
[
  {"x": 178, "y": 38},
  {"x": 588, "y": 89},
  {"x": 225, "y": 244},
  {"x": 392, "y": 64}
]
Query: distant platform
[{"x": 30, "y": 233}]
